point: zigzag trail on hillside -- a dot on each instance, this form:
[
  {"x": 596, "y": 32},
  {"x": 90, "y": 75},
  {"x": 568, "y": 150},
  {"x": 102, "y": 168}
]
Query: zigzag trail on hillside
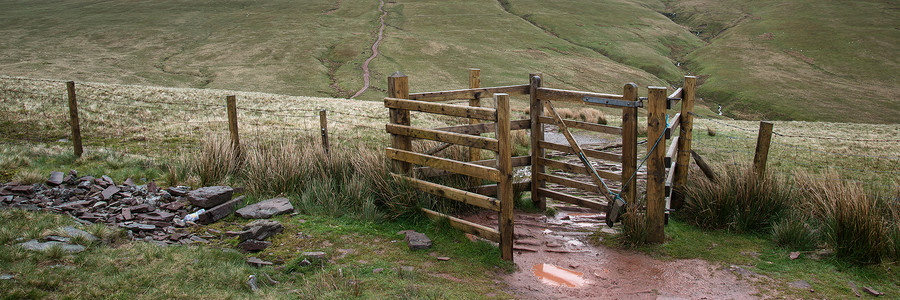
[{"x": 365, "y": 65}]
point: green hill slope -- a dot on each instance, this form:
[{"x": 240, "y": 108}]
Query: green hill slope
[{"x": 796, "y": 59}]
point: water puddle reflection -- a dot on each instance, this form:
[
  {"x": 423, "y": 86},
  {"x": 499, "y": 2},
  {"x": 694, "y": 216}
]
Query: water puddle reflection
[{"x": 553, "y": 275}]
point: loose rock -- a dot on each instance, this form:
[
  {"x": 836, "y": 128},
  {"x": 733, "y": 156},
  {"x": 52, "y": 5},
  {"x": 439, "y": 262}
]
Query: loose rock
[
  {"x": 266, "y": 209},
  {"x": 254, "y": 245},
  {"x": 260, "y": 230},
  {"x": 75, "y": 232},
  {"x": 56, "y": 178},
  {"x": 209, "y": 197},
  {"x": 217, "y": 213},
  {"x": 256, "y": 262},
  {"x": 417, "y": 241},
  {"x": 34, "y": 245}
]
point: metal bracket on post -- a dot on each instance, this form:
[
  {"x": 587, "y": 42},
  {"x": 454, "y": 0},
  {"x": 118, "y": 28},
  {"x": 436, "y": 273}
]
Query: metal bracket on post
[{"x": 622, "y": 103}]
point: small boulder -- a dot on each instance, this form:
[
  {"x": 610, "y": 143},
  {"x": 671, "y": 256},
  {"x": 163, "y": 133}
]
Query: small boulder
[
  {"x": 209, "y": 197},
  {"x": 254, "y": 245},
  {"x": 34, "y": 245},
  {"x": 75, "y": 232},
  {"x": 178, "y": 190},
  {"x": 266, "y": 209},
  {"x": 56, "y": 178},
  {"x": 417, "y": 241},
  {"x": 260, "y": 230}
]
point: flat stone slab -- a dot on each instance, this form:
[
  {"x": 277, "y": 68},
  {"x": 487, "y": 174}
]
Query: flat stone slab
[
  {"x": 221, "y": 211},
  {"x": 254, "y": 245},
  {"x": 75, "y": 232},
  {"x": 109, "y": 192},
  {"x": 256, "y": 262},
  {"x": 34, "y": 245},
  {"x": 266, "y": 209},
  {"x": 314, "y": 255},
  {"x": 417, "y": 241},
  {"x": 260, "y": 230},
  {"x": 56, "y": 178},
  {"x": 211, "y": 196}
]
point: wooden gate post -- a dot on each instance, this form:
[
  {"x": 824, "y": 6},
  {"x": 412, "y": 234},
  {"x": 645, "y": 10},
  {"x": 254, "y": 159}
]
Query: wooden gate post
[
  {"x": 656, "y": 169},
  {"x": 537, "y": 135},
  {"x": 762, "y": 149},
  {"x": 323, "y": 125},
  {"x": 231, "y": 104},
  {"x": 504, "y": 165},
  {"x": 73, "y": 119},
  {"x": 398, "y": 87},
  {"x": 474, "y": 83},
  {"x": 683, "y": 158},
  {"x": 629, "y": 145}
]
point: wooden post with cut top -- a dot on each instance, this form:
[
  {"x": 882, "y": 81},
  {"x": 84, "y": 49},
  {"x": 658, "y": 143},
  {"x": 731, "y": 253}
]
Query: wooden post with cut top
[
  {"x": 683, "y": 158},
  {"x": 762, "y": 149},
  {"x": 474, "y": 83},
  {"x": 656, "y": 169},
  {"x": 231, "y": 104},
  {"x": 73, "y": 119},
  {"x": 323, "y": 124},
  {"x": 504, "y": 165},
  {"x": 629, "y": 146},
  {"x": 537, "y": 135},
  {"x": 398, "y": 87}
]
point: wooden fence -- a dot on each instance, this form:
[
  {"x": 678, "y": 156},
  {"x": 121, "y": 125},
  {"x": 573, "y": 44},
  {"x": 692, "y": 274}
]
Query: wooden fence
[{"x": 660, "y": 181}]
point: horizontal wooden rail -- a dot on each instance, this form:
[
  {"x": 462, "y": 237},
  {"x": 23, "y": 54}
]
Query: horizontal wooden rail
[
  {"x": 446, "y": 137},
  {"x": 487, "y": 92},
  {"x": 587, "y": 152},
  {"x": 466, "y": 226},
  {"x": 486, "y": 127},
  {"x": 674, "y": 98},
  {"x": 464, "y": 168},
  {"x": 517, "y": 161},
  {"x": 674, "y": 122},
  {"x": 589, "y": 187},
  {"x": 671, "y": 151},
  {"x": 491, "y": 189},
  {"x": 576, "y": 96},
  {"x": 670, "y": 177},
  {"x": 452, "y": 193},
  {"x": 586, "y": 126},
  {"x": 572, "y": 199},
  {"x": 487, "y": 114},
  {"x": 572, "y": 168}
]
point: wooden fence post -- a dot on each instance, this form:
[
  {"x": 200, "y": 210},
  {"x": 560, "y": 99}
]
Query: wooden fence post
[
  {"x": 537, "y": 135},
  {"x": 629, "y": 147},
  {"x": 323, "y": 124},
  {"x": 762, "y": 149},
  {"x": 656, "y": 169},
  {"x": 231, "y": 104},
  {"x": 683, "y": 158},
  {"x": 398, "y": 87},
  {"x": 504, "y": 164},
  {"x": 73, "y": 119},
  {"x": 474, "y": 83}
]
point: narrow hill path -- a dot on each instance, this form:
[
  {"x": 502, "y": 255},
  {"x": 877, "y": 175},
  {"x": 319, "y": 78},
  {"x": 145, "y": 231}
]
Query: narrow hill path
[{"x": 365, "y": 65}]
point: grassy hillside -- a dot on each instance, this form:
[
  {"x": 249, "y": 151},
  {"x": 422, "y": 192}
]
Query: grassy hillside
[
  {"x": 791, "y": 60},
  {"x": 799, "y": 59}
]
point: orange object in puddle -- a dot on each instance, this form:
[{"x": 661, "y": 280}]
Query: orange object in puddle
[{"x": 554, "y": 275}]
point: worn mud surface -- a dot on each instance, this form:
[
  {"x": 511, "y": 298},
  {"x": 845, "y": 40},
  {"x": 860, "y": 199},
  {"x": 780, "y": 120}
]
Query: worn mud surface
[{"x": 606, "y": 273}]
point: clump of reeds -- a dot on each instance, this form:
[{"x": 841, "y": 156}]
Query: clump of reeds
[
  {"x": 859, "y": 225},
  {"x": 737, "y": 200}
]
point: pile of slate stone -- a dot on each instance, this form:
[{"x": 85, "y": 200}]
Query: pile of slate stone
[{"x": 146, "y": 211}]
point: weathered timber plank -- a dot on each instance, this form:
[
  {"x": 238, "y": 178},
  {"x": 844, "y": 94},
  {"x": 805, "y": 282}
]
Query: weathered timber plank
[
  {"x": 491, "y": 189},
  {"x": 452, "y": 193},
  {"x": 587, "y": 152},
  {"x": 470, "y": 93},
  {"x": 671, "y": 151},
  {"x": 463, "y": 168},
  {"x": 575, "y": 96},
  {"x": 573, "y": 168},
  {"x": 586, "y": 126},
  {"x": 572, "y": 199},
  {"x": 569, "y": 182},
  {"x": 518, "y": 161},
  {"x": 487, "y": 114},
  {"x": 674, "y": 122},
  {"x": 475, "y": 129},
  {"x": 443, "y": 136},
  {"x": 466, "y": 226}
]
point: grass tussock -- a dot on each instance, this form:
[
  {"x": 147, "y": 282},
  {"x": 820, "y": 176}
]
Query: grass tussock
[
  {"x": 634, "y": 229},
  {"x": 737, "y": 200},
  {"x": 860, "y": 225}
]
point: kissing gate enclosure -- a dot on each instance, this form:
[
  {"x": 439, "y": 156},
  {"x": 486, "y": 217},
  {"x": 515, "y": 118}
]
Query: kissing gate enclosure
[{"x": 612, "y": 176}]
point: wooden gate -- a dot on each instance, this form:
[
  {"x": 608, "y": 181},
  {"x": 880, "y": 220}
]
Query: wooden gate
[{"x": 499, "y": 170}]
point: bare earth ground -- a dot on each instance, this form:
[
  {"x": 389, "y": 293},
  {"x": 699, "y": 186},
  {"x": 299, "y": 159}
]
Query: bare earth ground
[{"x": 607, "y": 273}]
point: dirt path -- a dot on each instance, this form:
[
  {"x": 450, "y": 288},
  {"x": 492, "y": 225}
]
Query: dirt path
[
  {"x": 605, "y": 273},
  {"x": 365, "y": 65}
]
